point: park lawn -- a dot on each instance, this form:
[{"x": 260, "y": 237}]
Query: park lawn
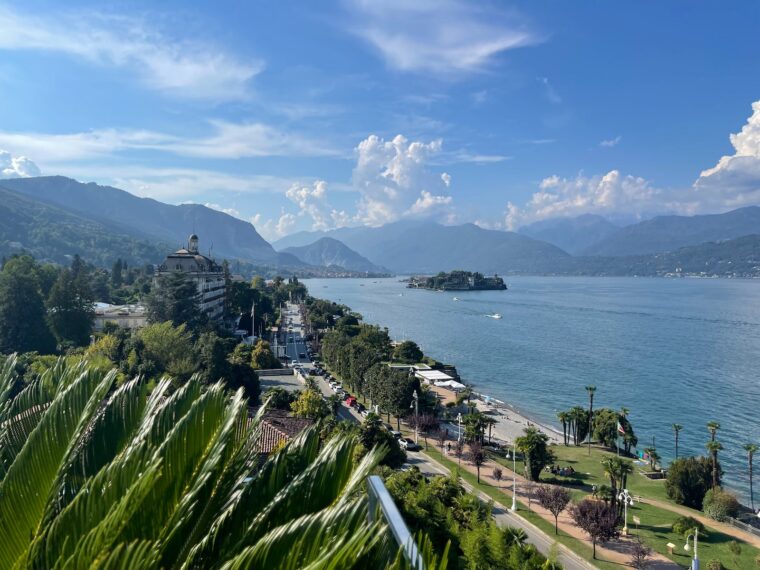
[
  {"x": 656, "y": 522},
  {"x": 577, "y": 546}
]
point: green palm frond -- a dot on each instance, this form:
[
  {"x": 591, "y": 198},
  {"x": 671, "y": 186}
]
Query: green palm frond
[{"x": 118, "y": 478}]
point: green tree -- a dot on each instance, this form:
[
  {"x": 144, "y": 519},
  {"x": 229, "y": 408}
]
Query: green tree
[
  {"x": 176, "y": 299},
  {"x": 408, "y": 352},
  {"x": 591, "y": 391},
  {"x": 70, "y": 308},
  {"x": 533, "y": 444},
  {"x": 211, "y": 351},
  {"x": 23, "y": 322},
  {"x": 751, "y": 449},
  {"x": 262, "y": 357},
  {"x": 372, "y": 434},
  {"x": 279, "y": 398},
  {"x": 688, "y": 480},
  {"x": 311, "y": 405},
  {"x": 720, "y": 505},
  {"x": 170, "y": 348},
  {"x": 713, "y": 447},
  {"x": 116, "y": 274}
]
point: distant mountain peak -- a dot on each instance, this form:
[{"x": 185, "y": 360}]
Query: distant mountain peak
[{"x": 328, "y": 252}]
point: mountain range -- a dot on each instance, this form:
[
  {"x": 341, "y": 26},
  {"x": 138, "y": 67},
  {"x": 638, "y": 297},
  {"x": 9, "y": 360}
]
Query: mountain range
[
  {"x": 55, "y": 217},
  {"x": 330, "y": 252}
]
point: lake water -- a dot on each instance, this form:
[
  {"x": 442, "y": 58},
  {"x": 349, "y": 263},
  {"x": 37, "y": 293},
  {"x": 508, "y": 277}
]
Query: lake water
[{"x": 672, "y": 351}]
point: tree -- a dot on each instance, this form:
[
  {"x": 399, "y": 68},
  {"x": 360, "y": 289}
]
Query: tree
[
  {"x": 212, "y": 357},
  {"x": 408, "y": 352},
  {"x": 498, "y": 475},
  {"x": 262, "y": 357},
  {"x": 676, "y": 431},
  {"x": 175, "y": 298},
  {"x": 720, "y": 505},
  {"x": 170, "y": 348},
  {"x": 372, "y": 434},
  {"x": 597, "y": 519},
  {"x": 554, "y": 499},
  {"x": 23, "y": 326},
  {"x": 713, "y": 428},
  {"x": 279, "y": 398},
  {"x": 476, "y": 456},
  {"x": 564, "y": 417},
  {"x": 591, "y": 390},
  {"x": 70, "y": 308},
  {"x": 688, "y": 480},
  {"x": 640, "y": 555},
  {"x": 172, "y": 469},
  {"x": 605, "y": 426},
  {"x": 617, "y": 470},
  {"x": 713, "y": 447},
  {"x": 533, "y": 444},
  {"x": 751, "y": 449},
  {"x": 116, "y": 276},
  {"x": 311, "y": 405}
]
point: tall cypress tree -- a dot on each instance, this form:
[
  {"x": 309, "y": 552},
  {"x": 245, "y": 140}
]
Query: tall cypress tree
[
  {"x": 70, "y": 308},
  {"x": 176, "y": 299}
]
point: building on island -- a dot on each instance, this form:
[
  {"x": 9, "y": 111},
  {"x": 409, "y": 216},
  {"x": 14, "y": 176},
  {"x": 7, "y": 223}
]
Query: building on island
[{"x": 207, "y": 274}]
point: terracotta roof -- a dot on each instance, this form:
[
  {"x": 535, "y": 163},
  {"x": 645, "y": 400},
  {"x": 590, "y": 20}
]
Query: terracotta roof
[{"x": 277, "y": 426}]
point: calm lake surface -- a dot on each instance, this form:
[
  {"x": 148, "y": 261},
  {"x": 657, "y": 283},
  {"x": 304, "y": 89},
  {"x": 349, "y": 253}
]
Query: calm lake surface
[{"x": 672, "y": 351}]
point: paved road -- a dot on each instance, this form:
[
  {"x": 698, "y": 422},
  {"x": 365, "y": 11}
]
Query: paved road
[
  {"x": 503, "y": 516},
  {"x": 295, "y": 344}
]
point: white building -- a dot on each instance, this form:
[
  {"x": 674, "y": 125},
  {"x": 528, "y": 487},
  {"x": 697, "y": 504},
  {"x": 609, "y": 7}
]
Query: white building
[
  {"x": 207, "y": 274},
  {"x": 126, "y": 316}
]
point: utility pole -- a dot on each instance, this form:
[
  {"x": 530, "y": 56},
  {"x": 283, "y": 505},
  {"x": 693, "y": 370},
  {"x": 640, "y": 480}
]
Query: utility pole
[{"x": 416, "y": 416}]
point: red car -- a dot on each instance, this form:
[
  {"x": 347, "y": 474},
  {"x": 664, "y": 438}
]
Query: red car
[{"x": 350, "y": 401}]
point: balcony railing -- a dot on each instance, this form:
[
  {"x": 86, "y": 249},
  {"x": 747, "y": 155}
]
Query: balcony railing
[{"x": 381, "y": 502}]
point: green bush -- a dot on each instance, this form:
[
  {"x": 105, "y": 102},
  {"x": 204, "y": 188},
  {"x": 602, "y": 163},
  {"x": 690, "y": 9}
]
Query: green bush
[
  {"x": 685, "y": 525},
  {"x": 715, "y": 565},
  {"x": 720, "y": 505}
]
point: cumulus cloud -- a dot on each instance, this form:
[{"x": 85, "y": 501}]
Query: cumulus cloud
[
  {"x": 608, "y": 194},
  {"x": 438, "y": 36},
  {"x": 16, "y": 166},
  {"x": 609, "y": 143},
  {"x": 274, "y": 229},
  {"x": 180, "y": 68},
  {"x": 394, "y": 180},
  {"x": 735, "y": 180},
  {"x": 312, "y": 202},
  {"x": 446, "y": 177},
  {"x": 229, "y": 211}
]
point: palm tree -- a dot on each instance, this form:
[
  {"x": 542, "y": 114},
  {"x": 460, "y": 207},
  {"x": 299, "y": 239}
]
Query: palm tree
[
  {"x": 714, "y": 447},
  {"x": 676, "y": 430},
  {"x": 564, "y": 417},
  {"x": 750, "y": 448},
  {"x": 713, "y": 427},
  {"x": 624, "y": 412},
  {"x": 617, "y": 471},
  {"x": 99, "y": 475},
  {"x": 590, "y": 389}
]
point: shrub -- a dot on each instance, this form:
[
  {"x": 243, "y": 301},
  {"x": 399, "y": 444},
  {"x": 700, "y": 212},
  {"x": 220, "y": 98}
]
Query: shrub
[
  {"x": 685, "y": 525},
  {"x": 715, "y": 565},
  {"x": 720, "y": 505},
  {"x": 688, "y": 480}
]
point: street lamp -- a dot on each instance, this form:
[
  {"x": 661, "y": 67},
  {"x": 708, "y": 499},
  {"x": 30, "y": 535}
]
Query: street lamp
[
  {"x": 627, "y": 499},
  {"x": 459, "y": 419},
  {"x": 695, "y": 560},
  {"x": 513, "y": 508},
  {"x": 416, "y": 417}
]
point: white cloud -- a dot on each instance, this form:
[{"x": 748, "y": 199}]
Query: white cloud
[
  {"x": 393, "y": 179},
  {"x": 227, "y": 141},
  {"x": 446, "y": 178},
  {"x": 609, "y": 143},
  {"x": 467, "y": 156},
  {"x": 193, "y": 70},
  {"x": 274, "y": 229},
  {"x": 607, "y": 194},
  {"x": 229, "y": 211},
  {"x": 437, "y": 36},
  {"x": 735, "y": 180},
  {"x": 16, "y": 166}
]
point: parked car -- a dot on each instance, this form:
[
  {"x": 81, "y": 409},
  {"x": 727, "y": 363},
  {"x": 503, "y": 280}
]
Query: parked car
[
  {"x": 408, "y": 444},
  {"x": 360, "y": 407},
  {"x": 350, "y": 401},
  {"x": 364, "y": 413},
  {"x": 396, "y": 434}
]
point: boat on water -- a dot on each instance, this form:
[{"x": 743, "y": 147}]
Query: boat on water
[
  {"x": 400, "y": 294},
  {"x": 455, "y": 299},
  {"x": 494, "y": 316}
]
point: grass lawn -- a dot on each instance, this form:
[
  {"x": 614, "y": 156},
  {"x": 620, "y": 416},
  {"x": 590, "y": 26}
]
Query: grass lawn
[{"x": 656, "y": 522}]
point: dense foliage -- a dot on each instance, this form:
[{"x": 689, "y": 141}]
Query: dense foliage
[
  {"x": 534, "y": 445},
  {"x": 688, "y": 480},
  {"x": 94, "y": 476},
  {"x": 720, "y": 505}
]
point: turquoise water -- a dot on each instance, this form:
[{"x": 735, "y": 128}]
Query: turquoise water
[{"x": 673, "y": 351}]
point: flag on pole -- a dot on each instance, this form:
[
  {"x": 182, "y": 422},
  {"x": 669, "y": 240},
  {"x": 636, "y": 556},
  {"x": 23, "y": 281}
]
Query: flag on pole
[{"x": 620, "y": 429}]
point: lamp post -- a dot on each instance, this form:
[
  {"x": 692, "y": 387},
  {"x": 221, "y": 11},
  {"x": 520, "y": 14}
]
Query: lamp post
[
  {"x": 695, "y": 560},
  {"x": 416, "y": 417},
  {"x": 627, "y": 499},
  {"x": 513, "y": 508},
  {"x": 459, "y": 419}
]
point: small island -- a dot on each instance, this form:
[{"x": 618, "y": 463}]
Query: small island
[{"x": 457, "y": 281}]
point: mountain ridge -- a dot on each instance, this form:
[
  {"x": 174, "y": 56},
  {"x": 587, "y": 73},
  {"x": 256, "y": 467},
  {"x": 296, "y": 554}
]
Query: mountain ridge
[{"x": 328, "y": 252}]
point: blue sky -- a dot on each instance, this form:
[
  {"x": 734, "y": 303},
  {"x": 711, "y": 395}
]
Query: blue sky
[{"x": 312, "y": 115}]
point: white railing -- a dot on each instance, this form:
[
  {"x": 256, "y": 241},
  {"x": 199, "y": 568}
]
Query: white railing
[{"x": 380, "y": 501}]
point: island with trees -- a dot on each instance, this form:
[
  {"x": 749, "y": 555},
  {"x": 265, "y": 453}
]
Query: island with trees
[{"x": 457, "y": 280}]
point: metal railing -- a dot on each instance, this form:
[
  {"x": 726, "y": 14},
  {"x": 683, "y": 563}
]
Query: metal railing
[
  {"x": 744, "y": 526},
  {"x": 380, "y": 500}
]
